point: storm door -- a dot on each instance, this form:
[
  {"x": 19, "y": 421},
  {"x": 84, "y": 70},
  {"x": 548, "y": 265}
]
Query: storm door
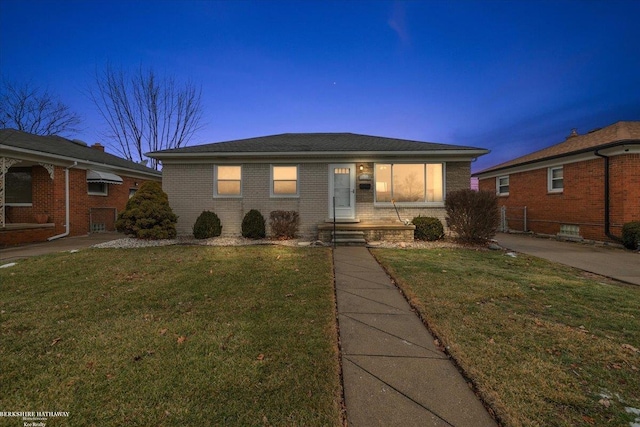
[{"x": 342, "y": 190}]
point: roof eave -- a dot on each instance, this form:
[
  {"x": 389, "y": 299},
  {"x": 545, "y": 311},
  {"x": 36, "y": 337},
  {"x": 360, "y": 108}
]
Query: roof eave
[
  {"x": 471, "y": 153},
  {"x": 37, "y": 156},
  {"x": 495, "y": 170}
]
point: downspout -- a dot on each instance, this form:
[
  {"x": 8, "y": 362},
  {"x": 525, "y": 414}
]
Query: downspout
[
  {"x": 607, "y": 219},
  {"x": 67, "y": 225}
]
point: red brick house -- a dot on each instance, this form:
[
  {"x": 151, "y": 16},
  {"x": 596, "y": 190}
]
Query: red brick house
[
  {"x": 587, "y": 186},
  {"x": 52, "y": 187}
]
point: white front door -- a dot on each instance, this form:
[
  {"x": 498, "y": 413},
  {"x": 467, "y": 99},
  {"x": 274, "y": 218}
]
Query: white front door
[{"x": 342, "y": 190}]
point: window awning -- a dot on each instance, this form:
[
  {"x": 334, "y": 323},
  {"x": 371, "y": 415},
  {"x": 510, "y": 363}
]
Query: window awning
[{"x": 103, "y": 177}]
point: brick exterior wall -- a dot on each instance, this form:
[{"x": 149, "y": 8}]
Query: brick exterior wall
[
  {"x": 190, "y": 190},
  {"x": 581, "y": 202},
  {"x": 49, "y": 198}
]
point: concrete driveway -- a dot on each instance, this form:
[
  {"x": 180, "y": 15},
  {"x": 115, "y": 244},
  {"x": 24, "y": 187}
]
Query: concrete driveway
[
  {"x": 60, "y": 245},
  {"x": 618, "y": 264}
]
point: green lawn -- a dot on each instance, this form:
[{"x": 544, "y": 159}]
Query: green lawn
[
  {"x": 172, "y": 336},
  {"x": 544, "y": 344}
]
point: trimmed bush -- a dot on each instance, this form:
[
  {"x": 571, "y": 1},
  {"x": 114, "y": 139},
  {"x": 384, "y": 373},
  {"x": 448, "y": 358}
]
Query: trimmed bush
[
  {"x": 207, "y": 225},
  {"x": 284, "y": 224},
  {"x": 148, "y": 214},
  {"x": 473, "y": 215},
  {"x": 631, "y": 235},
  {"x": 253, "y": 225},
  {"x": 427, "y": 228}
]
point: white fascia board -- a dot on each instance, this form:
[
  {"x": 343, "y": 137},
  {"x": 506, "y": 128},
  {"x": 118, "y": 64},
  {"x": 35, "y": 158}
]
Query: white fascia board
[{"x": 63, "y": 161}]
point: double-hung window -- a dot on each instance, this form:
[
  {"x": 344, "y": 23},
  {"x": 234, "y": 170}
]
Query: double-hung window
[
  {"x": 284, "y": 181},
  {"x": 409, "y": 182},
  {"x": 227, "y": 181},
  {"x": 555, "y": 179},
  {"x": 502, "y": 185}
]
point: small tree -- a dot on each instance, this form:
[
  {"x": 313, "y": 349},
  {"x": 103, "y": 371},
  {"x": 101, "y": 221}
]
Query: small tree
[
  {"x": 148, "y": 214},
  {"x": 253, "y": 226},
  {"x": 473, "y": 215}
]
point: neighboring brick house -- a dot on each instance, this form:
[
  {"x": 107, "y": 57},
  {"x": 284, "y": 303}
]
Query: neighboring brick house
[
  {"x": 585, "y": 187},
  {"x": 51, "y": 187},
  {"x": 303, "y": 172}
]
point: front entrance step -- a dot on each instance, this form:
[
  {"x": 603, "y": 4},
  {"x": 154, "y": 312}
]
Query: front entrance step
[
  {"x": 348, "y": 238},
  {"x": 372, "y": 231}
]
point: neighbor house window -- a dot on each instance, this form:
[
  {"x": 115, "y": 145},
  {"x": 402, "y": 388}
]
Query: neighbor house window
[
  {"x": 502, "y": 185},
  {"x": 284, "y": 180},
  {"x": 97, "y": 188},
  {"x": 555, "y": 180},
  {"x": 18, "y": 187},
  {"x": 228, "y": 181},
  {"x": 409, "y": 182}
]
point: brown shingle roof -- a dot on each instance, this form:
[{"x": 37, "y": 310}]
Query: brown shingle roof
[{"x": 619, "y": 131}]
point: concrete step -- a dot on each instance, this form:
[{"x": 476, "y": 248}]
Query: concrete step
[{"x": 349, "y": 238}]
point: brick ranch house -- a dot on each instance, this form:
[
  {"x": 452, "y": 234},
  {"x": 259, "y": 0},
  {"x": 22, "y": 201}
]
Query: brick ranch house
[
  {"x": 587, "y": 186},
  {"x": 52, "y": 187},
  {"x": 308, "y": 172}
]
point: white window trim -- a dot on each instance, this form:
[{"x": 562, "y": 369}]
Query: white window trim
[
  {"x": 19, "y": 204},
  {"x": 290, "y": 196},
  {"x": 424, "y": 204},
  {"x": 498, "y": 178},
  {"x": 550, "y": 188},
  {"x": 96, "y": 193},
  {"x": 215, "y": 184}
]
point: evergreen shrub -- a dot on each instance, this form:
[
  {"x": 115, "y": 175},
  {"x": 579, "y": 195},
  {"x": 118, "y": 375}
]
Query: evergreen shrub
[
  {"x": 148, "y": 214},
  {"x": 253, "y": 225},
  {"x": 427, "y": 228},
  {"x": 631, "y": 235},
  {"x": 207, "y": 225}
]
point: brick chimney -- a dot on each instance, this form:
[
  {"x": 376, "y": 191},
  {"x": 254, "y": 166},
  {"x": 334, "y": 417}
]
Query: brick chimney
[{"x": 98, "y": 146}]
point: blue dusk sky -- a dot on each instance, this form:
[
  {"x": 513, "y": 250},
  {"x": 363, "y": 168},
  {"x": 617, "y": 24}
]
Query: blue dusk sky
[{"x": 509, "y": 76}]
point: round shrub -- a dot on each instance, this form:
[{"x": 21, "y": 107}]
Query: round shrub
[
  {"x": 427, "y": 228},
  {"x": 253, "y": 226},
  {"x": 207, "y": 225},
  {"x": 148, "y": 214},
  {"x": 631, "y": 235}
]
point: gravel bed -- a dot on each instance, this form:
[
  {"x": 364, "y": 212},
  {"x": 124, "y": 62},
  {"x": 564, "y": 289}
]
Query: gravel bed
[{"x": 129, "y": 242}]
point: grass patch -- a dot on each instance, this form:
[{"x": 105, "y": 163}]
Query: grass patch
[
  {"x": 545, "y": 345},
  {"x": 172, "y": 336}
]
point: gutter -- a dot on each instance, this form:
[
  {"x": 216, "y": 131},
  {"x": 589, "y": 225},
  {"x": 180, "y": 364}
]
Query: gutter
[
  {"x": 607, "y": 214},
  {"x": 66, "y": 201}
]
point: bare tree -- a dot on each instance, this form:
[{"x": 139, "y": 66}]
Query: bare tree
[
  {"x": 144, "y": 112},
  {"x": 28, "y": 108}
]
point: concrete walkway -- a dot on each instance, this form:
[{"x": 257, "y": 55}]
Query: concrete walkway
[
  {"x": 14, "y": 253},
  {"x": 618, "y": 264},
  {"x": 393, "y": 373}
]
